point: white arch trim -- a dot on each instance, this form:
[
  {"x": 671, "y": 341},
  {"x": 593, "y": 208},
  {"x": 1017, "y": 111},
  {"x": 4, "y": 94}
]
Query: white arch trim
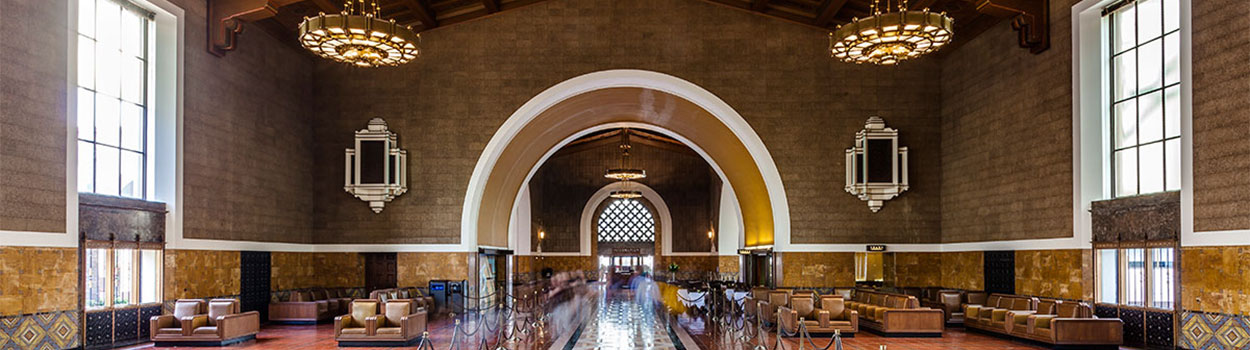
[
  {"x": 587, "y": 226},
  {"x": 616, "y": 79}
]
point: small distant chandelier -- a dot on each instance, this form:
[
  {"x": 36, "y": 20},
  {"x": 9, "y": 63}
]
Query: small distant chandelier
[
  {"x": 357, "y": 36},
  {"x": 886, "y": 38},
  {"x": 625, "y": 173},
  {"x": 626, "y": 194}
]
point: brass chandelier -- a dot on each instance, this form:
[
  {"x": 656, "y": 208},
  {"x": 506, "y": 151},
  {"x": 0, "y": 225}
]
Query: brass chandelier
[
  {"x": 624, "y": 172},
  {"x": 357, "y": 36},
  {"x": 886, "y": 38},
  {"x": 625, "y": 175}
]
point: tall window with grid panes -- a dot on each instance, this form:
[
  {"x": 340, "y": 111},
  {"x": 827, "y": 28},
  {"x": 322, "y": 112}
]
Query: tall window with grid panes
[
  {"x": 114, "y": 76},
  {"x": 1143, "y": 87}
]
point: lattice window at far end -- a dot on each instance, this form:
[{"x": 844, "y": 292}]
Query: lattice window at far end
[{"x": 626, "y": 220}]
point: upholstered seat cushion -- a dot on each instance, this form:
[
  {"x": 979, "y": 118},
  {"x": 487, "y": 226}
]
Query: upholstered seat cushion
[
  {"x": 803, "y": 305},
  {"x": 353, "y": 331},
  {"x": 389, "y": 330},
  {"x": 217, "y": 309},
  {"x": 169, "y": 331},
  {"x": 395, "y": 312},
  {"x": 205, "y": 330}
]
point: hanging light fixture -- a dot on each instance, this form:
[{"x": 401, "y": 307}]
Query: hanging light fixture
[
  {"x": 886, "y": 38},
  {"x": 625, "y": 173},
  {"x": 626, "y": 193},
  {"x": 357, "y": 36}
]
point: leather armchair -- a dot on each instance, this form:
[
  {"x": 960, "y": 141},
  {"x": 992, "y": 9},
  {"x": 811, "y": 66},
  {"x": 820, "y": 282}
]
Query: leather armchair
[
  {"x": 776, "y": 300},
  {"x": 831, "y": 316},
  {"x": 951, "y": 304},
  {"x": 751, "y": 305},
  {"x": 185, "y": 311},
  {"x": 224, "y": 324},
  {"x": 400, "y": 324},
  {"x": 356, "y": 324}
]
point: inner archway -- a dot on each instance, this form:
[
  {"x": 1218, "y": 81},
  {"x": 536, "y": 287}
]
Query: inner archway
[{"x": 639, "y": 98}]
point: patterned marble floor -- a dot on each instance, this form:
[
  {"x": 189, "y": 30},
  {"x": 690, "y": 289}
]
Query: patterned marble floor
[{"x": 623, "y": 321}]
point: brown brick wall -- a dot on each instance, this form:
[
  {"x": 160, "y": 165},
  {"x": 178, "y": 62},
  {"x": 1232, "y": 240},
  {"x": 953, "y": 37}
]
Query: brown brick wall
[
  {"x": 805, "y": 106},
  {"x": 33, "y": 62},
  {"x": 248, "y": 164},
  {"x": 562, "y": 186},
  {"x": 1221, "y": 115},
  {"x": 1007, "y": 136},
  {"x": 248, "y": 167}
]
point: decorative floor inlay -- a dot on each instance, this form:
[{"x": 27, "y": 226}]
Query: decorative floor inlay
[{"x": 622, "y": 321}]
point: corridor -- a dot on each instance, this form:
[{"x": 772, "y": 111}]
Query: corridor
[{"x": 624, "y": 319}]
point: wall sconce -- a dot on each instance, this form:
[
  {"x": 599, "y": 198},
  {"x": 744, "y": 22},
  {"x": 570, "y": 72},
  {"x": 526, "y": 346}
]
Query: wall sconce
[
  {"x": 876, "y": 168},
  {"x": 711, "y": 237},
  {"x": 376, "y": 169}
]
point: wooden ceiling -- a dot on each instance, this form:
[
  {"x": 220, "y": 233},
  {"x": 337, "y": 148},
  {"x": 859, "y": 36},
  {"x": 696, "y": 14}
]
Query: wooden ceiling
[{"x": 281, "y": 17}]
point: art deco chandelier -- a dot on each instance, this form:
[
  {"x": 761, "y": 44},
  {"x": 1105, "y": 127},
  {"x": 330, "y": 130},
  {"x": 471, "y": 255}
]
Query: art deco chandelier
[
  {"x": 357, "y": 36},
  {"x": 886, "y": 38},
  {"x": 624, "y": 174}
]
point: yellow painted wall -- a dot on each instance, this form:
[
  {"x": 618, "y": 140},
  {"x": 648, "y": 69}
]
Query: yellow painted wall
[
  {"x": 1052, "y": 273},
  {"x": 963, "y": 270}
]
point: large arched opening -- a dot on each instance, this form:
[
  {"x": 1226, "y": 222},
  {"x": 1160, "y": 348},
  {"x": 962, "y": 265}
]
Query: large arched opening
[{"x": 632, "y": 98}]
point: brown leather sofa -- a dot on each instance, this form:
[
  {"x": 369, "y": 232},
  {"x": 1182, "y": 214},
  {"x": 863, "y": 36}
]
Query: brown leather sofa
[
  {"x": 400, "y": 323},
  {"x": 1065, "y": 323},
  {"x": 220, "y": 324},
  {"x": 301, "y": 307},
  {"x": 407, "y": 293},
  {"x": 896, "y": 315},
  {"x": 829, "y": 316},
  {"x": 993, "y": 314}
]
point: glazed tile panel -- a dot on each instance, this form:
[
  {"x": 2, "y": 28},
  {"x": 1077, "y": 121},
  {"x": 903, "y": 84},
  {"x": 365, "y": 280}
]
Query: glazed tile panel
[
  {"x": 307, "y": 270},
  {"x": 1202, "y": 331},
  {"x": 963, "y": 270},
  {"x": 200, "y": 273},
  {"x": 818, "y": 269},
  {"x": 1216, "y": 279},
  {"x": 917, "y": 269},
  {"x": 417, "y": 269},
  {"x": 45, "y": 330},
  {"x": 35, "y": 280},
  {"x": 1050, "y": 273}
]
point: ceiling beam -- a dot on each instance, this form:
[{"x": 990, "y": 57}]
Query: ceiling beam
[
  {"x": 423, "y": 11},
  {"x": 828, "y": 11},
  {"x": 227, "y": 17},
  {"x": 492, "y": 6},
  {"x": 1030, "y": 18},
  {"x": 759, "y": 5},
  {"x": 326, "y": 6}
]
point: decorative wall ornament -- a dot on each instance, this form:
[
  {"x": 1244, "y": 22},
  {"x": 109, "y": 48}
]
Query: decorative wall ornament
[
  {"x": 376, "y": 170},
  {"x": 876, "y": 168}
]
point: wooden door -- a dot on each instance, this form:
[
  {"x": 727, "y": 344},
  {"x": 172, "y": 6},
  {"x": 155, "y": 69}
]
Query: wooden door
[{"x": 380, "y": 271}]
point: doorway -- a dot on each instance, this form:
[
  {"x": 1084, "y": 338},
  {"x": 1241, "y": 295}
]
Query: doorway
[
  {"x": 380, "y": 271},
  {"x": 758, "y": 267},
  {"x": 492, "y": 276}
]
